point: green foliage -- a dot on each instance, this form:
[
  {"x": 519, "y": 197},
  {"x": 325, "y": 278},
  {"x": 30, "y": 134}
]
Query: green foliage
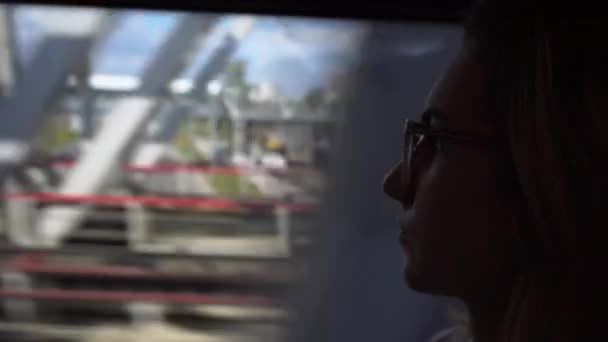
[
  {"x": 228, "y": 185},
  {"x": 315, "y": 98},
  {"x": 55, "y": 133},
  {"x": 234, "y": 73},
  {"x": 183, "y": 142},
  {"x": 234, "y": 78}
]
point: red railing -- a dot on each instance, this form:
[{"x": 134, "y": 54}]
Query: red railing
[
  {"x": 35, "y": 263},
  {"x": 160, "y": 201},
  {"x": 133, "y": 296},
  {"x": 190, "y": 167}
]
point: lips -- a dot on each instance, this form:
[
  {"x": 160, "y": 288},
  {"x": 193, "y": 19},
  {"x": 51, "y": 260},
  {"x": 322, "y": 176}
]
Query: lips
[
  {"x": 406, "y": 222},
  {"x": 406, "y": 232},
  {"x": 403, "y": 237}
]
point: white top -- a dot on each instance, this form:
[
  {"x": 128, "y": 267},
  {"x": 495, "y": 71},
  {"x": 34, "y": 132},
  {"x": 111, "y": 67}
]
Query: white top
[{"x": 457, "y": 333}]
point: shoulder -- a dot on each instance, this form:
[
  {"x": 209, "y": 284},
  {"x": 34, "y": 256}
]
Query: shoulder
[{"x": 453, "y": 334}]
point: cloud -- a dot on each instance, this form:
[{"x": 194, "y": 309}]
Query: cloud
[
  {"x": 324, "y": 33},
  {"x": 297, "y": 54},
  {"x": 293, "y": 77},
  {"x": 262, "y": 45}
]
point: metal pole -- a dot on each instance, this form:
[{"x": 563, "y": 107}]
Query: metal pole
[
  {"x": 7, "y": 51},
  {"x": 283, "y": 229}
]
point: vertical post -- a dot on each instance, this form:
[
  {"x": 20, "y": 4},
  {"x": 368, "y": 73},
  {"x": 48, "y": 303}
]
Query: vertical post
[
  {"x": 88, "y": 115},
  {"x": 137, "y": 225},
  {"x": 243, "y": 174},
  {"x": 3, "y": 219},
  {"x": 18, "y": 309},
  {"x": 7, "y": 51},
  {"x": 283, "y": 228},
  {"x": 189, "y": 137},
  {"x": 238, "y": 145},
  {"x": 238, "y": 135},
  {"x": 20, "y": 214},
  {"x": 212, "y": 125},
  {"x": 181, "y": 175}
]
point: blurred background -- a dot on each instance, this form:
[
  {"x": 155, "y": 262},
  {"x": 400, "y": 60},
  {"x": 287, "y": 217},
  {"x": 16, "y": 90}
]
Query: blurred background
[{"x": 173, "y": 176}]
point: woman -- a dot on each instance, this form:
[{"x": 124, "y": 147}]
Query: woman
[{"x": 502, "y": 182}]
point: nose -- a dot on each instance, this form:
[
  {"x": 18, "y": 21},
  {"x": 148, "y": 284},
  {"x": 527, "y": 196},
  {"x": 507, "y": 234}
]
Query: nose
[{"x": 393, "y": 185}]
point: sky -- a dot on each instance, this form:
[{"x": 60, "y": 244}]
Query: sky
[
  {"x": 295, "y": 54},
  {"x": 129, "y": 49}
]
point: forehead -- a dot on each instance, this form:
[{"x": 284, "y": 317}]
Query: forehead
[{"x": 458, "y": 96}]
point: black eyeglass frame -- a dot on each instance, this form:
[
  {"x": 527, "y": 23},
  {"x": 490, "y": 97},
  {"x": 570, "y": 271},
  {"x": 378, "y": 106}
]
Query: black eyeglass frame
[{"x": 416, "y": 132}]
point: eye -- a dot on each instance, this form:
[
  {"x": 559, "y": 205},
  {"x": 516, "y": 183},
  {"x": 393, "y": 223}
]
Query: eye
[{"x": 442, "y": 146}]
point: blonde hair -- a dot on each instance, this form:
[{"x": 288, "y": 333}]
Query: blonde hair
[{"x": 547, "y": 65}]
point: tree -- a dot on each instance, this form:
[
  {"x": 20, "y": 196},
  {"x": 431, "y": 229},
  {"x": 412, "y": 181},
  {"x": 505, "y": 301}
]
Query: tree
[
  {"x": 234, "y": 74},
  {"x": 315, "y": 98},
  {"x": 234, "y": 77}
]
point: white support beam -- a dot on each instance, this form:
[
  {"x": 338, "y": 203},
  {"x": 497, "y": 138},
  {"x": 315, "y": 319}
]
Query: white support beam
[{"x": 96, "y": 167}]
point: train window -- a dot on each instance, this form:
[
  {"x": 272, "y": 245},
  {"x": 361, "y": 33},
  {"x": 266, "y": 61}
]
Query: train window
[{"x": 163, "y": 173}]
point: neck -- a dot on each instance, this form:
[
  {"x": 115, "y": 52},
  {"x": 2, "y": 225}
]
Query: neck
[
  {"x": 486, "y": 320},
  {"x": 487, "y": 314}
]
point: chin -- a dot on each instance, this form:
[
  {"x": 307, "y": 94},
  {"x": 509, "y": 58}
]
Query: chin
[
  {"x": 411, "y": 276},
  {"x": 412, "y": 280},
  {"x": 417, "y": 281}
]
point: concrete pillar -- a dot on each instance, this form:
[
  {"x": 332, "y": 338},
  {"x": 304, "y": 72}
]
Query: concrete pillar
[{"x": 142, "y": 312}]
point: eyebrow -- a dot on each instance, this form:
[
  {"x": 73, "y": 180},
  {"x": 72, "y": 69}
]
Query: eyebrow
[{"x": 433, "y": 113}]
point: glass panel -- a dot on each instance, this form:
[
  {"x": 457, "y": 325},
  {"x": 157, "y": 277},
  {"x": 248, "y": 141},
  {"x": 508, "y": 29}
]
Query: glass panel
[{"x": 163, "y": 172}]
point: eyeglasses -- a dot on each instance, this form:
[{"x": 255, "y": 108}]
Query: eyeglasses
[{"x": 416, "y": 133}]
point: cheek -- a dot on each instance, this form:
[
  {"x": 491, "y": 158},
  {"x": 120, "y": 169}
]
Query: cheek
[
  {"x": 459, "y": 216},
  {"x": 458, "y": 195}
]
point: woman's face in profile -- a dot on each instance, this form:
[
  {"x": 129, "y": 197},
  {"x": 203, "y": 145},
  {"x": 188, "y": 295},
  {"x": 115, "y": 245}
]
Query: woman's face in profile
[{"x": 455, "y": 226}]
